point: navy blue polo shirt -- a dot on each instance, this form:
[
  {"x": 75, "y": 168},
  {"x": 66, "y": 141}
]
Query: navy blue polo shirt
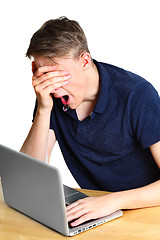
[{"x": 109, "y": 150}]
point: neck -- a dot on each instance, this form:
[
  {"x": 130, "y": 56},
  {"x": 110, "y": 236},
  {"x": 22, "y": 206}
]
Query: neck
[
  {"x": 93, "y": 84},
  {"x": 92, "y": 90}
]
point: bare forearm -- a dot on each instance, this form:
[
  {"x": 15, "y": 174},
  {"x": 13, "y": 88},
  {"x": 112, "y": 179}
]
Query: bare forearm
[
  {"x": 147, "y": 196},
  {"x": 45, "y": 80},
  {"x": 36, "y": 142},
  {"x": 95, "y": 207}
]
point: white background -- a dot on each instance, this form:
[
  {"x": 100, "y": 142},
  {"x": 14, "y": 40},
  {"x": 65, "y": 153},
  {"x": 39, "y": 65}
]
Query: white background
[{"x": 120, "y": 32}]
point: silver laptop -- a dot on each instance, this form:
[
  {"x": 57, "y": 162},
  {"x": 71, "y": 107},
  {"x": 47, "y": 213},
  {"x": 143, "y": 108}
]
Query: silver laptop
[{"x": 35, "y": 189}]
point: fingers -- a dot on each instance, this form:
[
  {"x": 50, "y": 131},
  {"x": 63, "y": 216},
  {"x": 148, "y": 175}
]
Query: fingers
[
  {"x": 45, "y": 76},
  {"x": 78, "y": 210},
  {"x": 51, "y": 78},
  {"x": 93, "y": 208},
  {"x": 41, "y": 70},
  {"x": 48, "y": 88},
  {"x": 73, "y": 209},
  {"x": 82, "y": 219},
  {"x": 73, "y": 205},
  {"x": 46, "y": 80}
]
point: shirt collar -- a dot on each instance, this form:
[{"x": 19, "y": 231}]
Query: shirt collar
[{"x": 104, "y": 86}]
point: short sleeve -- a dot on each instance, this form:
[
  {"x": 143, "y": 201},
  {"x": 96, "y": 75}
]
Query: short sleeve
[{"x": 145, "y": 114}]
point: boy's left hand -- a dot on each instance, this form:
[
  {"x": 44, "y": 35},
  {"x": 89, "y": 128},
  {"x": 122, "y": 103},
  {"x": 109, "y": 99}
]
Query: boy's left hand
[{"x": 92, "y": 208}]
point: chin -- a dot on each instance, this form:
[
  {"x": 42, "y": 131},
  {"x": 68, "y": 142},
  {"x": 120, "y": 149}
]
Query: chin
[{"x": 73, "y": 106}]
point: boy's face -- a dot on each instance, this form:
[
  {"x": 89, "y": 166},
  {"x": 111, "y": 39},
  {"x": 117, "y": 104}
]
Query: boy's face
[{"x": 75, "y": 92}]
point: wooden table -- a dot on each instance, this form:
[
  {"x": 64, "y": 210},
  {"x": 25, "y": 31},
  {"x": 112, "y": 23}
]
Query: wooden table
[{"x": 142, "y": 224}]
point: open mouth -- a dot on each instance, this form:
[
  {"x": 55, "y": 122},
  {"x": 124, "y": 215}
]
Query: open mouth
[{"x": 65, "y": 99}]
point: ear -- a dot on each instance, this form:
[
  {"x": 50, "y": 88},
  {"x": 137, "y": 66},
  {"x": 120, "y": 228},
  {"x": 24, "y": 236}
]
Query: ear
[
  {"x": 85, "y": 59},
  {"x": 33, "y": 67}
]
